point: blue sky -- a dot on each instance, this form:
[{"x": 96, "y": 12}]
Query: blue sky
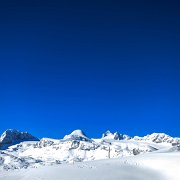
[{"x": 91, "y": 65}]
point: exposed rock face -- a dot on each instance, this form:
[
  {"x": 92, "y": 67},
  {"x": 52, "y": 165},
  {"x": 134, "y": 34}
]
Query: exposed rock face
[
  {"x": 115, "y": 136},
  {"x": 11, "y": 136}
]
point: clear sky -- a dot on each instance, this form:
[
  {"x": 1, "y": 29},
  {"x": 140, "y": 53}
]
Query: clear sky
[{"x": 90, "y": 65}]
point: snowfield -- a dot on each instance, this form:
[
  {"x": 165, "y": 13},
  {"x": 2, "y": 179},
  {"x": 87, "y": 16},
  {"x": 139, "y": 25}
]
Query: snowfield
[
  {"x": 152, "y": 166},
  {"x": 78, "y": 157}
]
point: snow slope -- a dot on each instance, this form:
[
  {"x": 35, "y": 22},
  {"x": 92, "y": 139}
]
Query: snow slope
[{"x": 151, "y": 166}]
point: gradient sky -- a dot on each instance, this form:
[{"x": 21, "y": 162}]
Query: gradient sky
[{"x": 90, "y": 65}]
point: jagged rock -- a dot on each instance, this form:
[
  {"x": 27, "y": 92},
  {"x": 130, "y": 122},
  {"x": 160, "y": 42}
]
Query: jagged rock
[
  {"x": 115, "y": 136},
  {"x": 11, "y": 136}
]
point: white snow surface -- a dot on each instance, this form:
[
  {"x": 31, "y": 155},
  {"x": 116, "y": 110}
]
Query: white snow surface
[
  {"x": 152, "y": 166},
  {"x": 155, "y": 156}
]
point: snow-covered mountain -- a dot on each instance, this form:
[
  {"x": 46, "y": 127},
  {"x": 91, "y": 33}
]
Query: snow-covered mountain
[
  {"x": 78, "y": 135},
  {"x": 22, "y": 150},
  {"x": 159, "y": 138},
  {"x": 11, "y": 136}
]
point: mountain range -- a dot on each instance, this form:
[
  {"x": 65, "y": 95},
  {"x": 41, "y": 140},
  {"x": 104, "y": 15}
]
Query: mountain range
[{"x": 22, "y": 150}]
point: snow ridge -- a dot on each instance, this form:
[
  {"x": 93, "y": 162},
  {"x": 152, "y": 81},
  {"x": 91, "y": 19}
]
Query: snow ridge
[{"x": 159, "y": 138}]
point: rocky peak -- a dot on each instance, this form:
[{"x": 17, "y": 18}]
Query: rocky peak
[
  {"x": 115, "y": 136},
  {"x": 11, "y": 136}
]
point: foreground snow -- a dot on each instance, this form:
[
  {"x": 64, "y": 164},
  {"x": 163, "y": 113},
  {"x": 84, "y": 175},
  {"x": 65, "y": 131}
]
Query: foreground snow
[{"x": 150, "y": 166}]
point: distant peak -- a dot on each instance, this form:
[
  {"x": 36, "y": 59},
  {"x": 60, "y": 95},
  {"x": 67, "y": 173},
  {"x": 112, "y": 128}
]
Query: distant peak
[
  {"x": 116, "y": 136},
  {"x": 10, "y": 131},
  {"x": 158, "y": 138},
  {"x": 78, "y": 132},
  {"x": 77, "y": 135},
  {"x": 11, "y": 136},
  {"x": 106, "y": 134}
]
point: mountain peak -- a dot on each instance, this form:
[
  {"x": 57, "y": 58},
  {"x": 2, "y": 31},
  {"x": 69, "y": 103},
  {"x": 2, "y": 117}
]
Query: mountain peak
[
  {"x": 116, "y": 136},
  {"x": 11, "y": 136},
  {"x": 78, "y": 132},
  {"x": 77, "y": 135}
]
